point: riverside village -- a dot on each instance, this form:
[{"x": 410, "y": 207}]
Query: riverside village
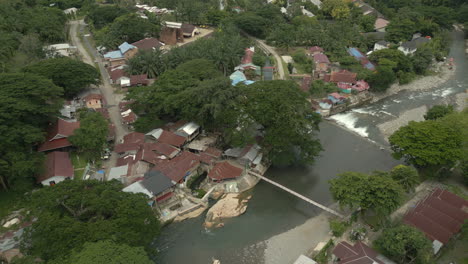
[{"x": 234, "y": 132}]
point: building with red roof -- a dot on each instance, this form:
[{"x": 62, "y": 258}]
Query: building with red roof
[
  {"x": 342, "y": 76},
  {"x": 315, "y": 50},
  {"x": 321, "y": 62},
  {"x": 57, "y": 134},
  {"x": 180, "y": 168},
  {"x": 119, "y": 76},
  {"x": 58, "y": 167},
  {"x": 167, "y": 137},
  {"x": 440, "y": 216},
  {"x": 248, "y": 56},
  {"x": 139, "y": 80},
  {"x": 360, "y": 253},
  {"x": 134, "y": 137},
  {"x": 306, "y": 82},
  {"x": 93, "y": 101},
  {"x": 148, "y": 44},
  {"x": 225, "y": 171}
]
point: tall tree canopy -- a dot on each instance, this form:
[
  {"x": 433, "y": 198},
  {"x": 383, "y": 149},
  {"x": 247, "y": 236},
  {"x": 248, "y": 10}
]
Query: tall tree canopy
[
  {"x": 106, "y": 252},
  {"x": 438, "y": 111},
  {"x": 287, "y": 123},
  {"x": 377, "y": 192},
  {"x": 27, "y": 102},
  {"x": 405, "y": 244},
  {"x": 75, "y": 212},
  {"x": 427, "y": 143},
  {"x": 101, "y": 16},
  {"x": 406, "y": 176},
  {"x": 70, "y": 74},
  {"x": 91, "y": 137}
]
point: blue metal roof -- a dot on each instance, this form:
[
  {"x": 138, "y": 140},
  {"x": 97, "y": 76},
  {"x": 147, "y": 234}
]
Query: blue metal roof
[
  {"x": 124, "y": 47},
  {"x": 237, "y": 77},
  {"x": 115, "y": 54}
]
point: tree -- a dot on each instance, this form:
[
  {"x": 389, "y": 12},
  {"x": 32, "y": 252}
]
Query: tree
[
  {"x": 27, "y": 102},
  {"x": 252, "y": 24},
  {"x": 368, "y": 192},
  {"x": 427, "y": 143},
  {"x": 102, "y": 15},
  {"x": 382, "y": 78},
  {"x": 367, "y": 23},
  {"x": 282, "y": 36},
  {"x": 338, "y": 9},
  {"x": 147, "y": 62},
  {"x": 405, "y": 244},
  {"x": 215, "y": 16},
  {"x": 75, "y": 212},
  {"x": 403, "y": 62},
  {"x": 400, "y": 30},
  {"x": 70, "y": 74},
  {"x": 127, "y": 28},
  {"x": 422, "y": 59},
  {"x": 91, "y": 137},
  {"x": 406, "y": 176},
  {"x": 287, "y": 122},
  {"x": 104, "y": 252},
  {"x": 438, "y": 111}
]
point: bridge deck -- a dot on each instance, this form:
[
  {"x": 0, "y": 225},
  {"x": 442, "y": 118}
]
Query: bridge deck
[{"x": 297, "y": 194}]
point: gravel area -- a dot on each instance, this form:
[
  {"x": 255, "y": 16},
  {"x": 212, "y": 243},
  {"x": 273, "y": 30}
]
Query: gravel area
[
  {"x": 416, "y": 114},
  {"x": 423, "y": 83},
  {"x": 461, "y": 101}
]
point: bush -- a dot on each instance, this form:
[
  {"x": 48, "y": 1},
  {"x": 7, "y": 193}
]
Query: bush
[
  {"x": 406, "y": 77},
  {"x": 322, "y": 256},
  {"x": 300, "y": 57},
  {"x": 338, "y": 227}
]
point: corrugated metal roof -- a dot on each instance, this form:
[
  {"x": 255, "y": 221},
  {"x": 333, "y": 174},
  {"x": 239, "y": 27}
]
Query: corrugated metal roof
[
  {"x": 115, "y": 54},
  {"x": 124, "y": 47}
]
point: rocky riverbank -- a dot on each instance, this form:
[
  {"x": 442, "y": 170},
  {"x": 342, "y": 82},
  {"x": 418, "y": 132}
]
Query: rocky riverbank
[
  {"x": 388, "y": 128},
  {"x": 230, "y": 205},
  {"x": 443, "y": 74}
]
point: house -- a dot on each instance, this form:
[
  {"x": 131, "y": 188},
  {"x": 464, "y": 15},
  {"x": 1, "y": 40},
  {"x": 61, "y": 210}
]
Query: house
[
  {"x": 304, "y": 260},
  {"x": 342, "y": 76},
  {"x": 119, "y": 57},
  {"x": 58, "y": 167},
  {"x": 361, "y": 86},
  {"x": 180, "y": 168},
  {"x": 60, "y": 50},
  {"x": 237, "y": 77},
  {"x": 306, "y": 82},
  {"x": 93, "y": 101},
  {"x": 315, "y": 50},
  {"x": 155, "y": 186},
  {"x": 321, "y": 62},
  {"x": 69, "y": 108},
  {"x": 439, "y": 216},
  {"x": 139, "y": 80},
  {"x": 164, "y": 149},
  {"x": 358, "y": 55},
  {"x": 225, "y": 170},
  {"x": 380, "y": 24},
  {"x": 118, "y": 173},
  {"x": 247, "y": 67},
  {"x": 57, "y": 134},
  {"x": 250, "y": 155},
  {"x": 134, "y": 137},
  {"x": 119, "y": 76},
  {"x": 127, "y": 148},
  {"x": 268, "y": 71},
  {"x": 189, "y": 30},
  {"x": 189, "y": 131},
  {"x": 167, "y": 137},
  {"x": 128, "y": 117},
  {"x": 336, "y": 98},
  {"x": 172, "y": 33},
  {"x": 381, "y": 45},
  {"x": 148, "y": 44},
  {"x": 248, "y": 55},
  {"x": 360, "y": 253},
  {"x": 410, "y": 47}
]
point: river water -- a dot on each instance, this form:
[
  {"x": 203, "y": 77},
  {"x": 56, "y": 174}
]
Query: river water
[{"x": 272, "y": 211}]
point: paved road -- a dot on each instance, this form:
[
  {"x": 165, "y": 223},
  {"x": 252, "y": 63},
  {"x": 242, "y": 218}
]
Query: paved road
[
  {"x": 105, "y": 87},
  {"x": 271, "y": 50}
]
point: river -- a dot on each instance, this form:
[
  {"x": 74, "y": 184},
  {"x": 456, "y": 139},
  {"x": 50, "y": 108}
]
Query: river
[{"x": 271, "y": 212}]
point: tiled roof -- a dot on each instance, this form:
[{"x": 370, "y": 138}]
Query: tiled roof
[
  {"x": 213, "y": 152},
  {"x": 225, "y": 170},
  {"x": 163, "y": 148},
  {"x": 315, "y": 49},
  {"x": 321, "y": 58},
  {"x": 93, "y": 96},
  {"x": 124, "y": 147},
  {"x": 177, "y": 168},
  {"x": 54, "y": 144},
  {"x": 134, "y": 137},
  {"x": 171, "y": 139},
  {"x": 360, "y": 253},
  {"x": 147, "y": 44},
  {"x": 440, "y": 215},
  {"x": 343, "y": 76},
  {"x": 57, "y": 164},
  {"x": 115, "y": 74},
  {"x": 141, "y": 79}
]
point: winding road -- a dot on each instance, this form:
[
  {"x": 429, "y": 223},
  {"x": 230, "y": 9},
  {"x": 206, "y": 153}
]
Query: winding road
[{"x": 105, "y": 87}]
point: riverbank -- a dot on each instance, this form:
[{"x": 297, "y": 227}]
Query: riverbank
[
  {"x": 390, "y": 127},
  {"x": 443, "y": 74}
]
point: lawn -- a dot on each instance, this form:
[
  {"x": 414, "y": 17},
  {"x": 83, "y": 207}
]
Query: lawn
[
  {"x": 8, "y": 202},
  {"x": 79, "y": 164}
]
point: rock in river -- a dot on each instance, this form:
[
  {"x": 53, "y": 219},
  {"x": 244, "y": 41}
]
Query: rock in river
[{"x": 230, "y": 205}]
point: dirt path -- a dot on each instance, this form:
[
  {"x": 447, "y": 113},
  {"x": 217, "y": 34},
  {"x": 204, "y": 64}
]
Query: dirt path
[
  {"x": 105, "y": 87},
  {"x": 271, "y": 50}
]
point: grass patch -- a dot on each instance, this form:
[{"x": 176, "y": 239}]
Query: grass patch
[
  {"x": 79, "y": 165},
  {"x": 324, "y": 254},
  {"x": 455, "y": 251}
]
